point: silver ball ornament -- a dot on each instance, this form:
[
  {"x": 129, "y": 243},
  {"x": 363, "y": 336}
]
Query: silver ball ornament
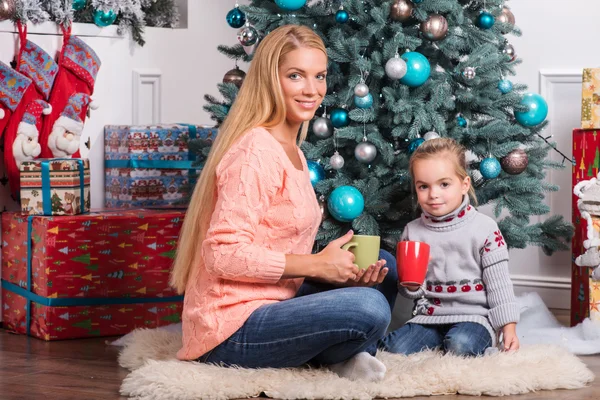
[
  {"x": 509, "y": 50},
  {"x": 395, "y": 68},
  {"x": 431, "y": 135},
  {"x": 365, "y": 152},
  {"x": 469, "y": 73},
  {"x": 247, "y": 36},
  {"x": 361, "y": 90},
  {"x": 506, "y": 17},
  {"x": 336, "y": 161},
  {"x": 322, "y": 127}
]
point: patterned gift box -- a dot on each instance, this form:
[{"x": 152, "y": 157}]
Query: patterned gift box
[
  {"x": 98, "y": 274},
  {"x": 590, "y": 99},
  {"x": 151, "y": 166},
  {"x": 585, "y": 293},
  {"x": 55, "y": 186}
]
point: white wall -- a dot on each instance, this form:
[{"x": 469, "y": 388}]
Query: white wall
[{"x": 183, "y": 64}]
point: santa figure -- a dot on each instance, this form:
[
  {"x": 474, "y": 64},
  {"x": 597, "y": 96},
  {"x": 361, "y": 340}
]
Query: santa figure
[
  {"x": 26, "y": 145},
  {"x": 65, "y": 137}
]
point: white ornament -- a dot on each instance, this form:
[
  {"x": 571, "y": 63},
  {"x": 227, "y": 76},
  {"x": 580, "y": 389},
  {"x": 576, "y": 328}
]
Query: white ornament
[
  {"x": 361, "y": 90},
  {"x": 395, "y": 68},
  {"x": 336, "y": 161},
  {"x": 431, "y": 135},
  {"x": 365, "y": 152}
]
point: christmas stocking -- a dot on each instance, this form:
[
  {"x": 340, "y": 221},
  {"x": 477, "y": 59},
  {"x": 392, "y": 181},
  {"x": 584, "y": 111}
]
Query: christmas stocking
[
  {"x": 13, "y": 87},
  {"x": 70, "y": 98}
]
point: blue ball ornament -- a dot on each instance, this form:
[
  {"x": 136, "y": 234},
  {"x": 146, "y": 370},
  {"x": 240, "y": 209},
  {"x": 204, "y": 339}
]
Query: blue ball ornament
[
  {"x": 79, "y": 5},
  {"x": 537, "y": 110},
  {"x": 104, "y": 18},
  {"x": 417, "y": 1},
  {"x": 505, "y": 86},
  {"x": 418, "y": 69},
  {"x": 236, "y": 18},
  {"x": 342, "y": 16},
  {"x": 345, "y": 203},
  {"x": 485, "y": 20},
  {"x": 414, "y": 145},
  {"x": 364, "y": 102},
  {"x": 461, "y": 121},
  {"x": 339, "y": 117},
  {"x": 316, "y": 172},
  {"x": 290, "y": 5},
  {"x": 490, "y": 168}
]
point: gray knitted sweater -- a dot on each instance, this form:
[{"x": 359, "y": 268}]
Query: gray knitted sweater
[{"x": 467, "y": 279}]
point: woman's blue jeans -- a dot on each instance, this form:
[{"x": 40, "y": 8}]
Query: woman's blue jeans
[{"x": 322, "y": 325}]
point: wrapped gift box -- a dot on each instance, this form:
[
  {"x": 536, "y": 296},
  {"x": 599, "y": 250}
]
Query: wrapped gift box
[
  {"x": 55, "y": 186},
  {"x": 98, "y": 274},
  {"x": 151, "y": 165},
  {"x": 590, "y": 99},
  {"x": 585, "y": 293}
]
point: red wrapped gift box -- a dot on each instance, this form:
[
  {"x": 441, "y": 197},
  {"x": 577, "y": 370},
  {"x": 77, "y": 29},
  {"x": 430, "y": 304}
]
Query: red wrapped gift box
[{"x": 98, "y": 274}]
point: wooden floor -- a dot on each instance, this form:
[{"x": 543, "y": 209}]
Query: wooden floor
[{"x": 31, "y": 369}]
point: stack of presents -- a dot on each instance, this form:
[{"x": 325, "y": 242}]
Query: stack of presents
[
  {"x": 72, "y": 272},
  {"x": 585, "y": 269}
]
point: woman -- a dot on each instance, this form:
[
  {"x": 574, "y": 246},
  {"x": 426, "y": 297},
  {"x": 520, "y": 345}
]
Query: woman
[{"x": 244, "y": 249}]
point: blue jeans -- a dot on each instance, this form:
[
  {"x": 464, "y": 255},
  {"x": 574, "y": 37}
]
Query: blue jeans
[
  {"x": 322, "y": 325},
  {"x": 463, "y": 338}
]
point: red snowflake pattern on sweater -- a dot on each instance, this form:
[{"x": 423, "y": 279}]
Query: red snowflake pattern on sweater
[{"x": 499, "y": 239}]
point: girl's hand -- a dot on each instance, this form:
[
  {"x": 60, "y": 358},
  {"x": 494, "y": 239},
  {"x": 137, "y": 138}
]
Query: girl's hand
[
  {"x": 371, "y": 276},
  {"x": 510, "y": 339}
]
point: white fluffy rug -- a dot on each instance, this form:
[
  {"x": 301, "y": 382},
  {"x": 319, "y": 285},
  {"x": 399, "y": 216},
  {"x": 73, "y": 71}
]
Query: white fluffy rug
[{"x": 156, "y": 375}]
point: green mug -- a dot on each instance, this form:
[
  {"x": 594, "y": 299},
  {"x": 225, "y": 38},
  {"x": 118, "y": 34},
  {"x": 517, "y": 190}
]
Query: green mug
[{"x": 365, "y": 249}]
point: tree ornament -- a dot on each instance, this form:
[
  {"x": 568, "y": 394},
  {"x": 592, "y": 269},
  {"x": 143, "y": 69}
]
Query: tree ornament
[
  {"x": 7, "y": 9},
  {"x": 418, "y": 69},
  {"x": 79, "y": 5},
  {"x": 336, "y": 161},
  {"x": 322, "y": 127},
  {"x": 364, "y": 102},
  {"x": 401, "y": 10},
  {"x": 315, "y": 172},
  {"x": 104, "y": 18},
  {"x": 509, "y": 50},
  {"x": 414, "y": 145},
  {"x": 461, "y": 121},
  {"x": 476, "y": 178},
  {"x": 236, "y": 17},
  {"x": 537, "y": 110},
  {"x": 361, "y": 90},
  {"x": 505, "y": 86},
  {"x": 342, "y": 16},
  {"x": 506, "y": 17},
  {"x": 515, "y": 162},
  {"x": 417, "y": 1},
  {"x": 345, "y": 203},
  {"x": 323, "y": 208},
  {"x": 290, "y": 5},
  {"x": 490, "y": 168},
  {"x": 485, "y": 20},
  {"x": 395, "y": 68},
  {"x": 431, "y": 135},
  {"x": 339, "y": 118},
  {"x": 469, "y": 73},
  {"x": 435, "y": 27},
  {"x": 235, "y": 76},
  {"x": 248, "y": 35},
  {"x": 365, "y": 152}
]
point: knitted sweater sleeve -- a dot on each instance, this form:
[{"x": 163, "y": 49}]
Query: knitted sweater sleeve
[
  {"x": 499, "y": 288},
  {"x": 248, "y": 178},
  {"x": 417, "y": 294}
]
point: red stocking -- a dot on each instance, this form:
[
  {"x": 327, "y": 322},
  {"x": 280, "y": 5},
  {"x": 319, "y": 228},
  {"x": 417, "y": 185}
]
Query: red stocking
[
  {"x": 13, "y": 87},
  {"x": 79, "y": 65}
]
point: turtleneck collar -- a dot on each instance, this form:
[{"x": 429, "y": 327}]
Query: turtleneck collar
[{"x": 450, "y": 221}]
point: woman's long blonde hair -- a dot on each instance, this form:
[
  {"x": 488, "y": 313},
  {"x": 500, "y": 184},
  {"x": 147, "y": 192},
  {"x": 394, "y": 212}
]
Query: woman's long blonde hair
[
  {"x": 259, "y": 103},
  {"x": 434, "y": 148}
]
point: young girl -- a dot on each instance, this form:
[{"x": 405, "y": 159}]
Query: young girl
[
  {"x": 245, "y": 246},
  {"x": 467, "y": 297}
]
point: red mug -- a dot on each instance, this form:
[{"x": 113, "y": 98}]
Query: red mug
[{"x": 412, "y": 258}]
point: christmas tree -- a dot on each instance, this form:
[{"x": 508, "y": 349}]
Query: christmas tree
[{"x": 399, "y": 73}]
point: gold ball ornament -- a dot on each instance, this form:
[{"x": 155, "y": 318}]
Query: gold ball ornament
[
  {"x": 401, "y": 10},
  {"x": 435, "y": 27},
  {"x": 323, "y": 208},
  {"x": 7, "y": 9},
  {"x": 506, "y": 17},
  {"x": 515, "y": 162},
  {"x": 235, "y": 76}
]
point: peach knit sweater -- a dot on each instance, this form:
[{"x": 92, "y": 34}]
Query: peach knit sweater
[{"x": 265, "y": 209}]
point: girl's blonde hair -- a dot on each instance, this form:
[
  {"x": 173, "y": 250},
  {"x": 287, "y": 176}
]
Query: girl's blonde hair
[
  {"x": 435, "y": 148},
  {"x": 259, "y": 103}
]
